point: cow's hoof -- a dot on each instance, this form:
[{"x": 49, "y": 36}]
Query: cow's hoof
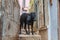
[
  {"x": 28, "y": 33},
  {"x": 19, "y": 32},
  {"x": 32, "y": 33}
]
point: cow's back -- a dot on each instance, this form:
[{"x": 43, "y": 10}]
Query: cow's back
[{"x": 23, "y": 17}]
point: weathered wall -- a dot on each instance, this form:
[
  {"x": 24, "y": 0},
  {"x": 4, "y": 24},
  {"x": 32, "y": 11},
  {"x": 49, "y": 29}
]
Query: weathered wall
[
  {"x": 31, "y": 6},
  {"x": 42, "y": 21},
  {"x": 11, "y": 20},
  {"x": 44, "y": 34}
]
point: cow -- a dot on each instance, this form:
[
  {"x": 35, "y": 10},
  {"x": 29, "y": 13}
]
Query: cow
[{"x": 27, "y": 19}]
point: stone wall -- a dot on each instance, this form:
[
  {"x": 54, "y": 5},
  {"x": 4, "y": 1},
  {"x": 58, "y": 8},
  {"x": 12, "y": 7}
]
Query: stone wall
[
  {"x": 11, "y": 20},
  {"x": 42, "y": 18},
  {"x": 44, "y": 34}
]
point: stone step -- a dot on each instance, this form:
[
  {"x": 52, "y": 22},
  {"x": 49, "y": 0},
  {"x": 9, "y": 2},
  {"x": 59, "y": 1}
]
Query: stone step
[
  {"x": 29, "y": 37},
  {"x": 24, "y": 32}
]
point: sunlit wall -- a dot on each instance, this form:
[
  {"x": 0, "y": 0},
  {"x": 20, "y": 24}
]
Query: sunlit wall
[{"x": 26, "y": 5}]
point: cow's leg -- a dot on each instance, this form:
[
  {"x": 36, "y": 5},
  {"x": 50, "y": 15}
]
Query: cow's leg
[
  {"x": 21, "y": 25},
  {"x": 25, "y": 28},
  {"x": 32, "y": 28},
  {"x": 28, "y": 29},
  {"x": 20, "y": 28}
]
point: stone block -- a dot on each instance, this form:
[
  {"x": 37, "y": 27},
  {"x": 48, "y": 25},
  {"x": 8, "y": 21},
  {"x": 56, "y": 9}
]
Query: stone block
[{"x": 29, "y": 37}]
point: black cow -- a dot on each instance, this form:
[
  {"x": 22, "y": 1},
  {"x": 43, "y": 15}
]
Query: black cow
[{"x": 27, "y": 19}]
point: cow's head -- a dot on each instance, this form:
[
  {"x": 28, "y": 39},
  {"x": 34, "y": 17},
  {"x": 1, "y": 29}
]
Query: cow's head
[{"x": 33, "y": 16}]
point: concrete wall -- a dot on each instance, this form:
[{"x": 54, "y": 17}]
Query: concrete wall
[{"x": 53, "y": 27}]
